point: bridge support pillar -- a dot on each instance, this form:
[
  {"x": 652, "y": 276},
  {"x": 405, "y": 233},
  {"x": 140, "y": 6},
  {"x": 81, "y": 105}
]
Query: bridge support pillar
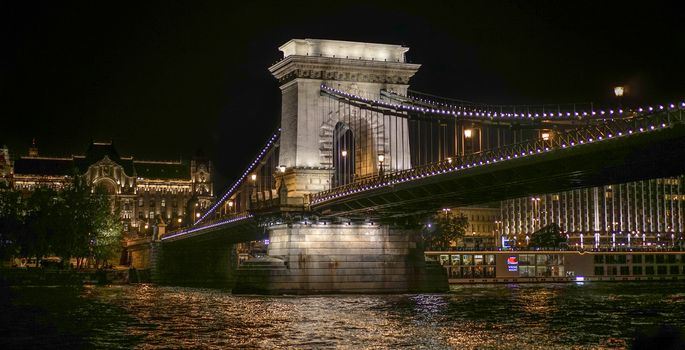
[
  {"x": 318, "y": 258},
  {"x": 208, "y": 263}
]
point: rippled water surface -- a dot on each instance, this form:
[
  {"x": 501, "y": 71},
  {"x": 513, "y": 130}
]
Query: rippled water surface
[{"x": 541, "y": 316}]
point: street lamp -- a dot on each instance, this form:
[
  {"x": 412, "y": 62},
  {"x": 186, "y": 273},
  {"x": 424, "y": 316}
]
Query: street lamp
[
  {"x": 343, "y": 153},
  {"x": 619, "y": 91},
  {"x": 381, "y": 158},
  {"x": 467, "y": 133}
]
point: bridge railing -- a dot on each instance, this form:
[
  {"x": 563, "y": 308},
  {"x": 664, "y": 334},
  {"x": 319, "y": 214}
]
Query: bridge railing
[{"x": 588, "y": 134}]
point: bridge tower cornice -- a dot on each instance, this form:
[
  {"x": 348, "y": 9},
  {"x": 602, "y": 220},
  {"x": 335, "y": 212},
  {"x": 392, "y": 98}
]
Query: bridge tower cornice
[{"x": 341, "y": 69}]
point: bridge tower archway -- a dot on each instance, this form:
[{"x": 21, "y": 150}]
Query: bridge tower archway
[{"x": 343, "y": 154}]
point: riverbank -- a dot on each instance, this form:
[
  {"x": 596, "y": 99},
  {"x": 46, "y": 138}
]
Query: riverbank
[{"x": 64, "y": 277}]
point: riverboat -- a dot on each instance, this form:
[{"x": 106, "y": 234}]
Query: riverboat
[{"x": 519, "y": 266}]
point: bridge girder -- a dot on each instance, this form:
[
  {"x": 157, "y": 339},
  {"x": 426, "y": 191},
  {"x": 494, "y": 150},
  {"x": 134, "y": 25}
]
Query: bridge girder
[{"x": 652, "y": 155}]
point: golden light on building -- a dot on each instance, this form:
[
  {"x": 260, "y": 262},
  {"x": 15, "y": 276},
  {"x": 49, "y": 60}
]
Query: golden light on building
[
  {"x": 467, "y": 133},
  {"x": 545, "y": 136}
]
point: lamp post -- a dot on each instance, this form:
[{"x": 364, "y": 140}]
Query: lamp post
[
  {"x": 343, "y": 153},
  {"x": 467, "y": 135},
  {"x": 381, "y": 158},
  {"x": 253, "y": 184},
  {"x": 619, "y": 91}
]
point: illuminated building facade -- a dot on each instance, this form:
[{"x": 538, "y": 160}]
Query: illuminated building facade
[
  {"x": 5, "y": 166},
  {"x": 143, "y": 191},
  {"x": 641, "y": 213},
  {"x": 482, "y": 228}
]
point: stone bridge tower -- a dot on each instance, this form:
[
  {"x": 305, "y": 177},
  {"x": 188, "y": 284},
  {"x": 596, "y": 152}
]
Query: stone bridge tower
[{"x": 308, "y": 119}]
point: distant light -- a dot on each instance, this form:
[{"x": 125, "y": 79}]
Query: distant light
[
  {"x": 580, "y": 279},
  {"x": 281, "y": 168},
  {"x": 197, "y": 215},
  {"x": 467, "y": 133},
  {"x": 343, "y": 153},
  {"x": 253, "y": 177},
  {"x": 381, "y": 158},
  {"x": 545, "y": 136},
  {"x": 618, "y": 91}
]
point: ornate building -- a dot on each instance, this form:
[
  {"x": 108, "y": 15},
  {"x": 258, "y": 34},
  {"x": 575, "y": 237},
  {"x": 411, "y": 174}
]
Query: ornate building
[{"x": 174, "y": 191}]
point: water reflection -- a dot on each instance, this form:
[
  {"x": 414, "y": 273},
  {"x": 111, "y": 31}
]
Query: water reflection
[{"x": 470, "y": 317}]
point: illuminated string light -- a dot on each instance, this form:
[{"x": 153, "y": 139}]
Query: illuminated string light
[{"x": 241, "y": 179}]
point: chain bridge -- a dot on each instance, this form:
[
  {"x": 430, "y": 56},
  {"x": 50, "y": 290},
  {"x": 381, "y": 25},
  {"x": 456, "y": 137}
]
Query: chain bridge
[{"x": 360, "y": 160}]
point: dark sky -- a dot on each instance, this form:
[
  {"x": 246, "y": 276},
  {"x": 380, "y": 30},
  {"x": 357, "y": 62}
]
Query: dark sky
[{"x": 163, "y": 79}]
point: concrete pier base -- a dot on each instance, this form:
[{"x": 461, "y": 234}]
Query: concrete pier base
[{"x": 358, "y": 258}]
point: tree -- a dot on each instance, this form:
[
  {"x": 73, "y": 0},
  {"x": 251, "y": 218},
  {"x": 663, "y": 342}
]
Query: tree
[
  {"x": 41, "y": 223},
  {"x": 446, "y": 228},
  {"x": 11, "y": 222},
  {"x": 549, "y": 236},
  {"x": 77, "y": 221},
  {"x": 94, "y": 230},
  {"x": 107, "y": 229}
]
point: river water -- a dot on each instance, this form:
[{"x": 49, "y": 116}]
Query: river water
[{"x": 523, "y": 316}]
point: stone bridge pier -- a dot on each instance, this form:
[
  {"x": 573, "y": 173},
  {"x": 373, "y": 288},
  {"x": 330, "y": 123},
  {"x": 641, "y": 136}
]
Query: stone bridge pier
[
  {"x": 208, "y": 263},
  {"x": 341, "y": 258}
]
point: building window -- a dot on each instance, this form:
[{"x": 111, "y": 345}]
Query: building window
[
  {"x": 599, "y": 270},
  {"x": 661, "y": 269},
  {"x": 625, "y": 271},
  {"x": 637, "y": 259},
  {"x": 637, "y": 270},
  {"x": 140, "y": 201},
  {"x": 163, "y": 203},
  {"x": 152, "y": 214},
  {"x": 675, "y": 270},
  {"x": 649, "y": 270},
  {"x": 140, "y": 215},
  {"x": 152, "y": 203}
]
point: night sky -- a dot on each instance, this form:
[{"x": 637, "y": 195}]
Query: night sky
[{"x": 163, "y": 79}]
